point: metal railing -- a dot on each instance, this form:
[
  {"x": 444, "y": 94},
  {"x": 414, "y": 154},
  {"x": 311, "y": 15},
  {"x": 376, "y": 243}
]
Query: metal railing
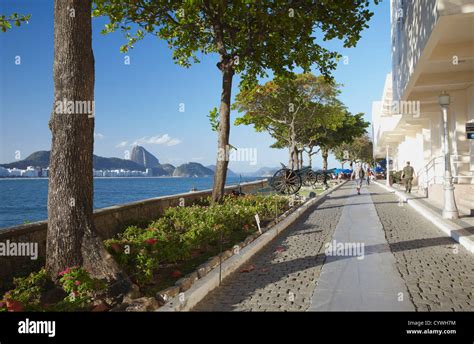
[{"x": 433, "y": 171}]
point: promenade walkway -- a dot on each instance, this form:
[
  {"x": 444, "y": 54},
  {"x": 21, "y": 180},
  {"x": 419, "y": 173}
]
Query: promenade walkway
[
  {"x": 363, "y": 276},
  {"x": 404, "y": 264}
]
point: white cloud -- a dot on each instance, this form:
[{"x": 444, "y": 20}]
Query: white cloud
[
  {"x": 98, "y": 136},
  {"x": 173, "y": 142},
  {"x": 164, "y": 139},
  {"x": 121, "y": 144}
]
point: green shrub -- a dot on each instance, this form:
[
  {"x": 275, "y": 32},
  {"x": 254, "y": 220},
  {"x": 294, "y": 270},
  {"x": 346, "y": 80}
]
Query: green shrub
[
  {"x": 76, "y": 282},
  {"x": 80, "y": 286},
  {"x": 28, "y": 290},
  {"x": 181, "y": 230}
]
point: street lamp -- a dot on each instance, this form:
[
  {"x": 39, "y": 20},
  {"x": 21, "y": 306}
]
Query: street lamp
[
  {"x": 387, "y": 166},
  {"x": 450, "y": 211}
]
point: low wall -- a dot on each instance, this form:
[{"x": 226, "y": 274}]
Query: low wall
[{"x": 108, "y": 222}]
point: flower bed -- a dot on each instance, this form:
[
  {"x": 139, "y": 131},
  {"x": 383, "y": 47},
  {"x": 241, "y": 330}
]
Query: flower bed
[
  {"x": 162, "y": 259},
  {"x": 76, "y": 291},
  {"x": 158, "y": 256}
]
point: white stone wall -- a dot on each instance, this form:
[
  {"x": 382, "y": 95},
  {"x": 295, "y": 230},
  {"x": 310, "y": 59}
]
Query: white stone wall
[{"x": 412, "y": 24}]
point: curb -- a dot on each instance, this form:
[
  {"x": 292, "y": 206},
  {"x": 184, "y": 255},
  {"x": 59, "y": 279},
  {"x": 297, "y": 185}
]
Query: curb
[
  {"x": 188, "y": 299},
  {"x": 451, "y": 229}
]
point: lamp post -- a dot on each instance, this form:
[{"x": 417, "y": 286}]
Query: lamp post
[
  {"x": 450, "y": 211},
  {"x": 387, "y": 165}
]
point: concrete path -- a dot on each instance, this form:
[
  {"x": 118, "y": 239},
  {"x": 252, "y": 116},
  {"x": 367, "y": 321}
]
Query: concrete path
[
  {"x": 360, "y": 273},
  {"x": 419, "y": 268},
  {"x": 283, "y": 275}
]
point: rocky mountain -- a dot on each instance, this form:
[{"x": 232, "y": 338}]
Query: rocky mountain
[
  {"x": 192, "y": 169},
  {"x": 163, "y": 170},
  {"x": 168, "y": 168},
  {"x": 41, "y": 159},
  {"x": 230, "y": 173},
  {"x": 143, "y": 157}
]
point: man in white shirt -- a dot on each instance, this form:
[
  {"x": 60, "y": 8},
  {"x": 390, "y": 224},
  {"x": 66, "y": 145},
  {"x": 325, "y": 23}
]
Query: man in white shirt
[{"x": 358, "y": 174}]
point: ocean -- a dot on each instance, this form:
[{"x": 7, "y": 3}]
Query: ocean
[{"x": 24, "y": 200}]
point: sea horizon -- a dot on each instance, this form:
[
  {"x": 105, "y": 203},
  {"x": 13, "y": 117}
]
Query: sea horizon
[{"x": 28, "y": 203}]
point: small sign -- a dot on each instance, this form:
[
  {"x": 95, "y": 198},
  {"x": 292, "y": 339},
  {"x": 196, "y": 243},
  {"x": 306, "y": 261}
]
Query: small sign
[
  {"x": 346, "y": 155},
  {"x": 257, "y": 218},
  {"x": 470, "y": 131}
]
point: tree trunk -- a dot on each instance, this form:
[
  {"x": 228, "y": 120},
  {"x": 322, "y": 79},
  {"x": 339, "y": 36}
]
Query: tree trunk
[
  {"x": 71, "y": 238},
  {"x": 294, "y": 161},
  {"x": 325, "y": 153},
  {"x": 310, "y": 158},
  {"x": 224, "y": 132},
  {"x": 301, "y": 158}
]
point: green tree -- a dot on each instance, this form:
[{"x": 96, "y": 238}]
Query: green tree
[
  {"x": 286, "y": 106},
  {"x": 249, "y": 38},
  {"x": 313, "y": 132},
  {"x": 329, "y": 139},
  {"x": 14, "y": 18},
  {"x": 360, "y": 148}
]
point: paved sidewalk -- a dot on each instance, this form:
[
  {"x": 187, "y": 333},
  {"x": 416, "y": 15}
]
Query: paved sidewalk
[
  {"x": 438, "y": 271},
  {"x": 361, "y": 275},
  {"x": 408, "y": 263},
  {"x": 285, "y": 272}
]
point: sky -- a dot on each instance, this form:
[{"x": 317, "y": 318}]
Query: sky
[{"x": 142, "y": 102}]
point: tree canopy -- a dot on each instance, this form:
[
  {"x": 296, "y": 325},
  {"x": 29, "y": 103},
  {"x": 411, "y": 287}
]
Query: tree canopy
[
  {"x": 257, "y": 36},
  {"x": 290, "y": 108},
  {"x": 359, "y": 148},
  {"x": 250, "y": 38}
]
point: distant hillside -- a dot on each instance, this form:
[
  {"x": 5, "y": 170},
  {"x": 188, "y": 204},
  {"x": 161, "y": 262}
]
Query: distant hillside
[
  {"x": 101, "y": 163},
  {"x": 192, "y": 169},
  {"x": 168, "y": 168},
  {"x": 230, "y": 173},
  {"x": 37, "y": 159},
  {"x": 143, "y": 157},
  {"x": 263, "y": 172},
  {"x": 41, "y": 159}
]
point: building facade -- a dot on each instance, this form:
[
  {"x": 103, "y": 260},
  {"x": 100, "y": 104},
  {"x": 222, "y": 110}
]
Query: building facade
[{"x": 432, "y": 53}]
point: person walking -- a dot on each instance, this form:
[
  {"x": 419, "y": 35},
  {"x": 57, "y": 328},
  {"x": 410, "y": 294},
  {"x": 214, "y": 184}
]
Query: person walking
[
  {"x": 407, "y": 176},
  {"x": 358, "y": 174},
  {"x": 368, "y": 171}
]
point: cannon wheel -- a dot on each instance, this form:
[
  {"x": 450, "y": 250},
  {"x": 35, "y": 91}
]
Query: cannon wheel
[
  {"x": 320, "y": 178},
  {"x": 310, "y": 179},
  {"x": 286, "y": 181}
]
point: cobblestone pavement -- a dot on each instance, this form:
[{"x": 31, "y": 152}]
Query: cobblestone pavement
[
  {"x": 438, "y": 272},
  {"x": 286, "y": 270}
]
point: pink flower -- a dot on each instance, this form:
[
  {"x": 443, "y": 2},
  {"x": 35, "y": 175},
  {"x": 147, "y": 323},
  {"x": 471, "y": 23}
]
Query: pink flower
[
  {"x": 62, "y": 273},
  {"x": 77, "y": 282},
  {"x": 151, "y": 241},
  {"x": 116, "y": 247}
]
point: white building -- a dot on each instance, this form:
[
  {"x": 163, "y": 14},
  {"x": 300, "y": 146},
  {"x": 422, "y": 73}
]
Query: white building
[
  {"x": 14, "y": 172},
  {"x": 432, "y": 53},
  {"x": 4, "y": 172},
  {"x": 30, "y": 172}
]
